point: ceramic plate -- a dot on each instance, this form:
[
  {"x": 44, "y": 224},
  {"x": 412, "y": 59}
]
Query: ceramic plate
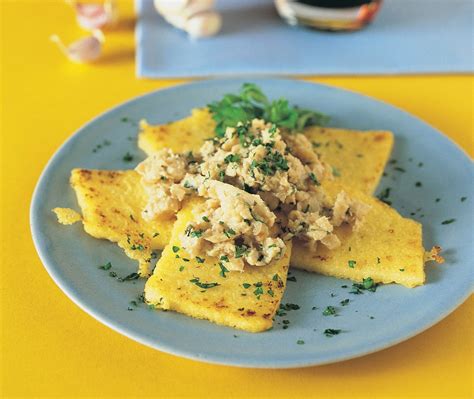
[{"x": 370, "y": 322}]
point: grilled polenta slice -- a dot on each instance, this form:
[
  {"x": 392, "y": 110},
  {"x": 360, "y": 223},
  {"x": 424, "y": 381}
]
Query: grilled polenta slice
[
  {"x": 111, "y": 204},
  {"x": 197, "y": 287},
  {"x": 181, "y": 136},
  {"x": 388, "y": 248},
  {"x": 358, "y": 157}
]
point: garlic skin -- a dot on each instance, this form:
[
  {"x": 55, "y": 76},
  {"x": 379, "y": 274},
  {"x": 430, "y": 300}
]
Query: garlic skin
[
  {"x": 196, "y": 17},
  {"x": 84, "y": 50},
  {"x": 203, "y": 24},
  {"x": 92, "y": 16}
]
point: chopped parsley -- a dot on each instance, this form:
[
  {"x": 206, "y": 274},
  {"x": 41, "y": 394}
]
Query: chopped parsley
[
  {"x": 292, "y": 278},
  {"x": 181, "y": 268},
  {"x": 289, "y": 306},
  {"x": 232, "y": 158},
  {"x": 200, "y": 284},
  {"x": 399, "y": 169},
  {"x": 229, "y": 232},
  {"x": 463, "y": 199},
  {"x": 131, "y": 276},
  {"x": 175, "y": 248},
  {"x": 258, "y": 291},
  {"x": 127, "y": 157},
  {"x": 345, "y": 302},
  {"x": 367, "y": 284},
  {"x": 224, "y": 270},
  {"x": 351, "y": 263},
  {"x": 418, "y": 184},
  {"x": 313, "y": 178},
  {"x": 190, "y": 231},
  {"x": 107, "y": 266},
  {"x": 329, "y": 311},
  {"x": 300, "y": 342},
  {"x": 199, "y": 260},
  {"x": 206, "y": 219},
  {"x": 240, "y": 250},
  {"x": 448, "y": 221},
  {"x": 246, "y": 285},
  {"x": 330, "y": 332},
  {"x": 270, "y": 164},
  {"x": 138, "y": 247}
]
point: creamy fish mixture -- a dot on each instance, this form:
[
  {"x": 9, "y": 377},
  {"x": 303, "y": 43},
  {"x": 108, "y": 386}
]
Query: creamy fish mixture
[{"x": 272, "y": 194}]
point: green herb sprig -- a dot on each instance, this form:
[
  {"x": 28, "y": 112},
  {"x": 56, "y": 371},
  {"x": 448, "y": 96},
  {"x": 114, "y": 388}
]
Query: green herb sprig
[{"x": 251, "y": 103}]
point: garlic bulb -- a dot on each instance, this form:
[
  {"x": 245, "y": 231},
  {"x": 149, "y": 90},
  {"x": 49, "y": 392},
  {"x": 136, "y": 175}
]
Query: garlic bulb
[
  {"x": 203, "y": 24},
  {"x": 84, "y": 50},
  {"x": 95, "y": 15},
  {"x": 196, "y": 17}
]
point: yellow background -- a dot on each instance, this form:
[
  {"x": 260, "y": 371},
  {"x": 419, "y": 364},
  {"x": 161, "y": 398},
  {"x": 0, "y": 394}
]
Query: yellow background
[{"x": 52, "y": 348}]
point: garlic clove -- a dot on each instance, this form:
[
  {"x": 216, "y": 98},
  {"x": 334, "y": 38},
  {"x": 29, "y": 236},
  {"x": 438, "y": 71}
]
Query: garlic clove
[
  {"x": 203, "y": 24},
  {"x": 197, "y": 6},
  {"x": 84, "y": 50},
  {"x": 170, "y": 6},
  {"x": 95, "y": 15}
]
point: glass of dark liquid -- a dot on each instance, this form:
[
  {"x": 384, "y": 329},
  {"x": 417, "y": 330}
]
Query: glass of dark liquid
[{"x": 331, "y": 15}]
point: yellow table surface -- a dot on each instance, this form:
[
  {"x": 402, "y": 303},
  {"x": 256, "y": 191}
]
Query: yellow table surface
[{"x": 52, "y": 348}]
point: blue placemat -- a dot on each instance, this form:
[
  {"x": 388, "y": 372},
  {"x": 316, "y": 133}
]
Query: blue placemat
[{"x": 408, "y": 36}]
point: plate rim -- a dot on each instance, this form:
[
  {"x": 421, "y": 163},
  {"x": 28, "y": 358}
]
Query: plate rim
[{"x": 144, "y": 340}]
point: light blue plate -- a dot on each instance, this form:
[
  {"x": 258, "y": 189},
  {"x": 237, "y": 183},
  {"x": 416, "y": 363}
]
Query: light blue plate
[{"x": 370, "y": 322}]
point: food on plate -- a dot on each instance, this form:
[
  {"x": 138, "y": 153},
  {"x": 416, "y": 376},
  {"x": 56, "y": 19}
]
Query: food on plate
[
  {"x": 387, "y": 248},
  {"x": 67, "y": 216},
  {"x": 111, "y": 204},
  {"x": 204, "y": 289},
  {"x": 357, "y": 157},
  {"x": 238, "y": 192}
]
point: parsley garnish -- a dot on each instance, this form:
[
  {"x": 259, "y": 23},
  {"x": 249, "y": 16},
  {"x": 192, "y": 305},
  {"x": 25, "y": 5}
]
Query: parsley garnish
[
  {"x": 246, "y": 285},
  {"x": 351, "y": 263},
  {"x": 205, "y": 286},
  {"x": 199, "y": 260},
  {"x": 258, "y": 291},
  {"x": 300, "y": 342},
  {"x": 175, "y": 248},
  {"x": 128, "y": 157},
  {"x": 313, "y": 178},
  {"x": 206, "y": 219},
  {"x": 251, "y": 103},
  {"x": 367, "y": 284},
  {"x": 240, "y": 250},
  {"x": 229, "y": 232},
  {"x": 329, "y": 311},
  {"x": 448, "y": 221},
  {"x": 336, "y": 172},
  {"x": 223, "y": 270},
  {"x": 131, "y": 276},
  {"x": 329, "y": 332},
  {"x": 107, "y": 266},
  {"x": 232, "y": 158},
  {"x": 344, "y": 302}
]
